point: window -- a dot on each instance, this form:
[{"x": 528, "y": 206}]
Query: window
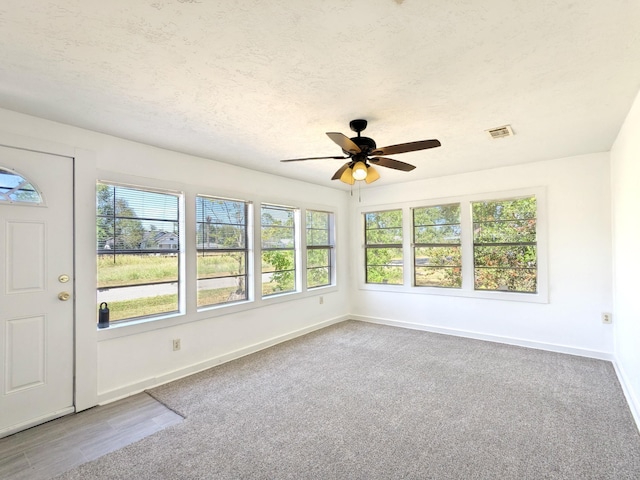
[
  {"x": 436, "y": 246},
  {"x": 222, "y": 249},
  {"x": 383, "y": 247},
  {"x": 490, "y": 246},
  {"x": 15, "y": 189},
  {"x": 278, "y": 239},
  {"x": 138, "y": 246},
  {"x": 319, "y": 226},
  {"x": 504, "y": 245}
]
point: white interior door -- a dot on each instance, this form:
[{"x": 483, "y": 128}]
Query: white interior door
[{"x": 36, "y": 289}]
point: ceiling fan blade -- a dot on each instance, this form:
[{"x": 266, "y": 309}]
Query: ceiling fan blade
[
  {"x": 313, "y": 158},
  {"x": 338, "y": 174},
  {"x": 344, "y": 142},
  {"x": 391, "y": 163},
  {"x": 406, "y": 147}
]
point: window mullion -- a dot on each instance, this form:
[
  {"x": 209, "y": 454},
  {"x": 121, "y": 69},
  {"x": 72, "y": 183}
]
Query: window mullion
[
  {"x": 466, "y": 244},
  {"x": 407, "y": 250}
]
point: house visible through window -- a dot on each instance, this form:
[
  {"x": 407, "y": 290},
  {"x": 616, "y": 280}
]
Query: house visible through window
[
  {"x": 505, "y": 245},
  {"x": 138, "y": 246},
  {"x": 278, "y": 242},
  {"x": 436, "y": 242},
  {"x": 383, "y": 247},
  {"x": 222, "y": 246},
  {"x": 319, "y": 229}
]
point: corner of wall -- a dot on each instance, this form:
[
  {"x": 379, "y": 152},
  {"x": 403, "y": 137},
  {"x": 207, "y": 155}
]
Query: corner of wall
[
  {"x": 632, "y": 399},
  {"x": 625, "y": 227}
]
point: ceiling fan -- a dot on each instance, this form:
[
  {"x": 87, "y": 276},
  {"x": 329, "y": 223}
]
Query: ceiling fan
[{"x": 362, "y": 152}]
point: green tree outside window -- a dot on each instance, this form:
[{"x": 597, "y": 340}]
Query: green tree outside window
[
  {"x": 221, "y": 244},
  {"x": 383, "y": 247},
  {"x": 504, "y": 245},
  {"x": 437, "y": 250},
  {"x": 278, "y": 249},
  {"x": 138, "y": 242},
  {"x": 319, "y": 248}
]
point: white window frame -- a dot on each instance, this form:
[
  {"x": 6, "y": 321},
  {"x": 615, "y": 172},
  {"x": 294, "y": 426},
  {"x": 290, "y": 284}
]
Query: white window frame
[
  {"x": 330, "y": 247},
  {"x": 297, "y": 265},
  {"x": 248, "y": 251},
  {"x": 466, "y": 239},
  {"x": 388, "y": 245},
  {"x": 416, "y": 245},
  {"x": 180, "y": 254},
  {"x": 187, "y": 289},
  {"x": 498, "y": 200},
  {"x": 5, "y": 196}
]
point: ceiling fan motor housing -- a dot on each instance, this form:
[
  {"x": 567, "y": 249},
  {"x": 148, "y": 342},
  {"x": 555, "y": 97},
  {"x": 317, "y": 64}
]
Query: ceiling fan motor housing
[{"x": 366, "y": 144}]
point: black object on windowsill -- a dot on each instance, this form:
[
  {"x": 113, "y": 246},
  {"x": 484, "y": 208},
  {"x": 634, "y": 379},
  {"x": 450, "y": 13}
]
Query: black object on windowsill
[{"x": 103, "y": 316}]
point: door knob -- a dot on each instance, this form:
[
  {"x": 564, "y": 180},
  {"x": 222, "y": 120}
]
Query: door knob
[{"x": 64, "y": 296}]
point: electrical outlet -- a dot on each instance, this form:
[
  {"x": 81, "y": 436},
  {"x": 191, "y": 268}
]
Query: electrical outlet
[
  {"x": 321, "y": 300},
  {"x": 606, "y": 318},
  {"x": 176, "y": 344}
]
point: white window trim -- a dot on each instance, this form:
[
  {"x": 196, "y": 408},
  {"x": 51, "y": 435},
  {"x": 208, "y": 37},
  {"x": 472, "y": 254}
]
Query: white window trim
[
  {"x": 41, "y": 203},
  {"x": 331, "y": 247},
  {"x": 297, "y": 250},
  {"x": 414, "y": 245},
  {"x": 466, "y": 239},
  {"x": 249, "y": 284},
  {"x": 363, "y": 265},
  {"x": 189, "y": 312},
  {"x": 181, "y": 253}
]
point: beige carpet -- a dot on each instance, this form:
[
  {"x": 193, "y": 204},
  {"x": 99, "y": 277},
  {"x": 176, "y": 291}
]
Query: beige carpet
[{"x": 363, "y": 401}]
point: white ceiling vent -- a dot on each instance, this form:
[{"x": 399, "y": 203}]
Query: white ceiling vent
[{"x": 500, "y": 132}]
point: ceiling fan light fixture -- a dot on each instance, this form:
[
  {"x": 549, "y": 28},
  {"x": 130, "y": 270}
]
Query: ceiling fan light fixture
[
  {"x": 347, "y": 177},
  {"x": 359, "y": 171},
  {"x": 372, "y": 175},
  {"x": 361, "y": 151}
]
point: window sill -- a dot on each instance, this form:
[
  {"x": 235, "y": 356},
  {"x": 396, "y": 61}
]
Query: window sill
[
  {"x": 142, "y": 325},
  {"x": 540, "y": 297},
  {"x": 124, "y": 328},
  {"x": 289, "y": 296}
]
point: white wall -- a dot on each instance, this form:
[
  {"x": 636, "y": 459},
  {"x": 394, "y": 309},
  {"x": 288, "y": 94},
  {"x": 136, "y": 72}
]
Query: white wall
[
  {"x": 625, "y": 183},
  {"x": 579, "y": 261},
  {"x": 122, "y": 360},
  {"x": 116, "y": 362}
]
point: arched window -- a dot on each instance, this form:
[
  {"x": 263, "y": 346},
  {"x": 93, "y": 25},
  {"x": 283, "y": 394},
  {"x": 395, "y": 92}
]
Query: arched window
[{"x": 16, "y": 189}]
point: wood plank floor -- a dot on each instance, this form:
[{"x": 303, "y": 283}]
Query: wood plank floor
[{"x": 47, "y": 450}]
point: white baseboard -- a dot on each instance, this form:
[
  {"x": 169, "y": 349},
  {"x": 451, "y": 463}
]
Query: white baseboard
[
  {"x": 140, "y": 386},
  {"x": 632, "y": 399},
  {"x": 132, "y": 389},
  {"x": 487, "y": 337}
]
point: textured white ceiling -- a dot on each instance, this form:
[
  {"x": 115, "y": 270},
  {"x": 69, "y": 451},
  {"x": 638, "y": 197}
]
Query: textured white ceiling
[{"x": 250, "y": 82}]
